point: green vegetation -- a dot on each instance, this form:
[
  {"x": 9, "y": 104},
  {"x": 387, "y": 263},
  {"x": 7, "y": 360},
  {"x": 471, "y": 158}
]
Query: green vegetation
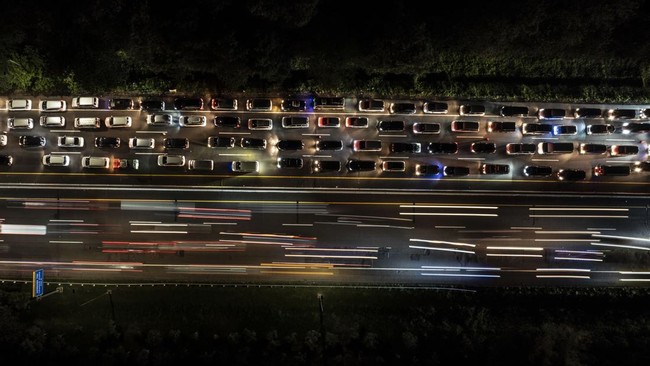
[
  {"x": 528, "y": 50},
  {"x": 281, "y": 326}
]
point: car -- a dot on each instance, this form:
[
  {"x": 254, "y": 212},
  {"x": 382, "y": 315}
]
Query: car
[
  {"x": 329, "y": 122},
  {"x": 52, "y": 121},
  {"x": 561, "y": 130},
  {"x": 612, "y": 170},
  {"x": 244, "y": 166},
  {"x": 253, "y": 143},
  {"x": 202, "y": 164},
  {"x": 146, "y": 143},
  {"x": 406, "y": 147},
  {"x": 53, "y": 105},
  {"x": 325, "y": 103},
  {"x": 160, "y": 120},
  {"x": 464, "y": 126},
  {"x": 295, "y": 122},
  {"x": 496, "y": 169},
  {"x": 597, "y": 149},
  {"x": 3, "y": 139},
  {"x": 87, "y": 122},
  {"x": 20, "y": 123},
  {"x": 293, "y": 105},
  {"x": 290, "y": 145},
  {"x": 318, "y": 166},
  {"x": 188, "y": 103},
  {"x": 70, "y": 141},
  {"x": 371, "y": 105},
  {"x": 227, "y": 122},
  {"x": 259, "y": 104},
  {"x": 126, "y": 164},
  {"x": 600, "y": 129},
  {"x": 121, "y": 103},
  {"x": 176, "y": 143},
  {"x": 107, "y": 142},
  {"x": 96, "y": 162},
  {"x": 555, "y": 148},
  {"x": 31, "y": 141},
  {"x": 152, "y": 105},
  {"x": 538, "y": 171},
  {"x": 393, "y": 166},
  {"x": 171, "y": 160},
  {"x": 402, "y": 108},
  {"x": 260, "y": 124},
  {"x": 536, "y": 128},
  {"x": 56, "y": 160},
  {"x": 588, "y": 113},
  {"x": 458, "y": 171},
  {"x": 118, "y": 121},
  {"x": 641, "y": 166},
  {"x": 520, "y": 148},
  {"x": 356, "y": 122},
  {"x": 19, "y": 104},
  {"x": 644, "y": 113},
  {"x": 223, "y": 103},
  {"x": 471, "y": 110},
  {"x": 354, "y": 165},
  {"x": 329, "y": 145},
  {"x": 442, "y": 147},
  {"x": 427, "y": 169},
  {"x": 366, "y": 145},
  {"x": 290, "y": 163},
  {"x": 225, "y": 142},
  {"x": 551, "y": 113},
  {"x": 426, "y": 128},
  {"x": 483, "y": 147},
  {"x": 617, "y": 150},
  {"x": 571, "y": 174},
  {"x": 435, "y": 107},
  {"x": 621, "y": 113},
  {"x": 6, "y": 160},
  {"x": 85, "y": 102},
  {"x": 499, "y": 126},
  {"x": 636, "y": 127},
  {"x": 192, "y": 121},
  {"x": 514, "y": 111},
  {"x": 391, "y": 126}
]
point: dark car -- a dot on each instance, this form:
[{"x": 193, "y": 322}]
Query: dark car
[
  {"x": 520, "y": 148},
  {"x": 176, "y": 143},
  {"x": 221, "y": 142},
  {"x": 636, "y": 127},
  {"x": 292, "y": 145},
  {"x": 6, "y": 160},
  {"x": 259, "y": 104},
  {"x": 371, "y": 105},
  {"x": 426, "y": 128},
  {"x": 193, "y": 104},
  {"x": 329, "y": 103},
  {"x": 402, "y": 108},
  {"x": 624, "y": 150},
  {"x": 391, "y": 126},
  {"x": 604, "y": 129},
  {"x": 356, "y": 122},
  {"x": 555, "y": 148},
  {"x": 405, "y": 147},
  {"x": 325, "y": 166},
  {"x": 464, "y": 126},
  {"x": 483, "y": 147},
  {"x": 536, "y": 128},
  {"x": 588, "y": 113},
  {"x": 293, "y": 105},
  {"x": 498, "y": 169},
  {"x": 621, "y": 113},
  {"x": 642, "y": 166},
  {"x": 361, "y": 165},
  {"x": 458, "y": 171},
  {"x": 442, "y": 148},
  {"x": 334, "y": 145},
  {"x": 223, "y": 103},
  {"x": 498, "y": 126},
  {"x": 227, "y": 121},
  {"x": 593, "y": 149},
  {"x": 121, "y": 103},
  {"x": 514, "y": 111},
  {"x": 107, "y": 142},
  {"x": 571, "y": 174},
  {"x": 253, "y": 143},
  {"x": 152, "y": 105},
  {"x": 31, "y": 141},
  {"x": 565, "y": 130},
  {"x": 426, "y": 169},
  {"x": 332, "y": 122},
  {"x": 538, "y": 171},
  {"x": 551, "y": 113},
  {"x": 472, "y": 110},
  {"x": 612, "y": 170},
  {"x": 290, "y": 163},
  {"x": 435, "y": 107}
]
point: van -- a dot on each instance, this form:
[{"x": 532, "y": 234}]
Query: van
[
  {"x": 86, "y": 122},
  {"x": 85, "y": 102},
  {"x": 613, "y": 170},
  {"x": 295, "y": 122},
  {"x": 555, "y": 148}
]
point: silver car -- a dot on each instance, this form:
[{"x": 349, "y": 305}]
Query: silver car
[
  {"x": 70, "y": 141},
  {"x": 160, "y": 119},
  {"x": 20, "y": 123},
  {"x": 141, "y": 143},
  {"x": 95, "y": 162},
  {"x": 192, "y": 121},
  {"x": 171, "y": 160},
  {"x": 56, "y": 160}
]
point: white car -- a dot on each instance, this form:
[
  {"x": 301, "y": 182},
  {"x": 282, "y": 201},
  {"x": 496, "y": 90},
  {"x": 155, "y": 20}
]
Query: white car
[
  {"x": 192, "y": 121},
  {"x": 245, "y": 166},
  {"x": 160, "y": 119},
  {"x": 19, "y": 104},
  {"x": 95, "y": 162},
  {"x": 3, "y": 140},
  {"x": 141, "y": 143},
  {"x": 53, "y": 105},
  {"x": 171, "y": 160},
  {"x": 117, "y": 122},
  {"x": 16, "y": 123},
  {"x": 71, "y": 141},
  {"x": 85, "y": 102},
  {"x": 86, "y": 122},
  {"x": 52, "y": 121},
  {"x": 56, "y": 160}
]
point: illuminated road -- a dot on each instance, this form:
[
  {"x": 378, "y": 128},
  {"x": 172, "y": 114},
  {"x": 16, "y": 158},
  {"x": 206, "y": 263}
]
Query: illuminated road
[{"x": 323, "y": 236}]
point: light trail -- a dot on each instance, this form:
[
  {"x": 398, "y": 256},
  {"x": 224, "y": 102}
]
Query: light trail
[
  {"x": 443, "y": 242},
  {"x": 442, "y": 249}
]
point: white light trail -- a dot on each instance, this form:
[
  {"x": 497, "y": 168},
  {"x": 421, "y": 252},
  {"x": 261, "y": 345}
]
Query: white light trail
[
  {"x": 459, "y": 207},
  {"x": 514, "y": 255},
  {"x": 620, "y": 246},
  {"x": 564, "y": 276},
  {"x": 442, "y": 249},
  {"x": 578, "y": 209},
  {"x": 621, "y": 237},
  {"x": 578, "y": 259},
  {"x": 459, "y": 275},
  {"x": 443, "y": 242},
  {"x": 517, "y": 248},
  {"x": 331, "y": 256},
  {"x": 563, "y": 270},
  {"x": 446, "y": 214},
  {"x": 333, "y": 249},
  {"x": 445, "y": 268},
  {"x": 565, "y": 232}
]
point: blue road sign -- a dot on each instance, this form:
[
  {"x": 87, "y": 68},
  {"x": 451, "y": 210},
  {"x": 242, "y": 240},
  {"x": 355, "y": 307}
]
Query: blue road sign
[{"x": 37, "y": 283}]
